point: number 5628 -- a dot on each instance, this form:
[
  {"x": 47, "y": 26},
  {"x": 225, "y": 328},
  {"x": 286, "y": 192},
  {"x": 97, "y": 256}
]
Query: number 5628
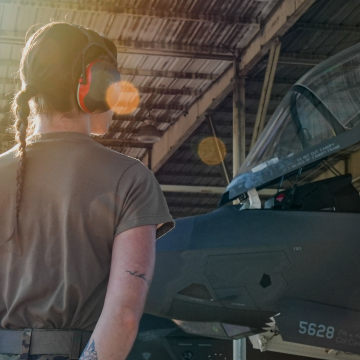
[{"x": 313, "y": 329}]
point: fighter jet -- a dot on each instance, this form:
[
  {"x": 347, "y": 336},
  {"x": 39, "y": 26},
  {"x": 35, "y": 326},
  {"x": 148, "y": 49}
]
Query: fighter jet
[{"x": 289, "y": 265}]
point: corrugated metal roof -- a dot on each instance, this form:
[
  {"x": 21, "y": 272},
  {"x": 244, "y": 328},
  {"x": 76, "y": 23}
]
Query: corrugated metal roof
[{"x": 192, "y": 30}]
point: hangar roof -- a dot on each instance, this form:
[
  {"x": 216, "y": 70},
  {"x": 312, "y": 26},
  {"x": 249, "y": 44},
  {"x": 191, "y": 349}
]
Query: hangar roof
[{"x": 179, "y": 56}]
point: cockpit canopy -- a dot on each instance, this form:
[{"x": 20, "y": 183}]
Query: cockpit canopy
[{"x": 316, "y": 118}]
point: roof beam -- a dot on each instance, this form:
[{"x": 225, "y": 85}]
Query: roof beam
[
  {"x": 142, "y": 89},
  {"x": 139, "y": 118},
  {"x": 144, "y": 47},
  {"x": 122, "y": 143},
  {"x": 166, "y": 91},
  {"x": 173, "y": 53},
  {"x": 229, "y": 123},
  {"x": 190, "y": 147},
  {"x": 328, "y": 27},
  {"x": 227, "y": 140},
  {"x": 183, "y": 162},
  {"x": 142, "y": 72},
  {"x": 229, "y": 112},
  {"x": 185, "y": 108},
  {"x": 137, "y": 12},
  {"x": 124, "y": 130},
  {"x": 301, "y": 59},
  {"x": 257, "y": 97},
  {"x": 169, "y": 107},
  {"x": 278, "y": 23},
  {"x": 184, "y": 50},
  {"x": 168, "y": 74},
  {"x": 276, "y": 81}
]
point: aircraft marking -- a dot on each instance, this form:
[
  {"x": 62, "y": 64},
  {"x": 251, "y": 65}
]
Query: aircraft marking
[{"x": 311, "y": 330}]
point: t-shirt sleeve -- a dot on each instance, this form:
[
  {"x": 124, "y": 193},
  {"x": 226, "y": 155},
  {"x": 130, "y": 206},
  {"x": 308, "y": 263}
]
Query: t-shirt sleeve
[{"x": 140, "y": 201}]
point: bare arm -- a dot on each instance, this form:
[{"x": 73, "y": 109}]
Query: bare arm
[{"x": 132, "y": 267}]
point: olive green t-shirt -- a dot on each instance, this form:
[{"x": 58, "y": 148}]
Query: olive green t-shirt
[{"x": 77, "y": 196}]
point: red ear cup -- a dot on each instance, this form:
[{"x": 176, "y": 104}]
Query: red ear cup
[{"x": 99, "y": 90}]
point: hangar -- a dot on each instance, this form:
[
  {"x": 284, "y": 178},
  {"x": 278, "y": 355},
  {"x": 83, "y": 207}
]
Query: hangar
[{"x": 195, "y": 70}]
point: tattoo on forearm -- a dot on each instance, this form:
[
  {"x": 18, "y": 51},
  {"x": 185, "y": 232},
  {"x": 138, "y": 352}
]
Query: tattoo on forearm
[
  {"x": 89, "y": 352},
  {"x": 141, "y": 276}
]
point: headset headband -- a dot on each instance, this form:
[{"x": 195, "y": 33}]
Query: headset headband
[
  {"x": 98, "y": 76},
  {"x": 94, "y": 39}
]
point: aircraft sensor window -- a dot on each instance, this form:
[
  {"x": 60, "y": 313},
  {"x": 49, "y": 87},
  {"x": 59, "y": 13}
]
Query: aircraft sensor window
[{"x": 198, "y": 291}]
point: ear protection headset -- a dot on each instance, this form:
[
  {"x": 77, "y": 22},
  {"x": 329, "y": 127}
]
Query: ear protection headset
[{"x": 99, "y": 85}]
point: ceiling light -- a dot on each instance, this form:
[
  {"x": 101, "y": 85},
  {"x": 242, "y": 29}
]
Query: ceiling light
[{"x": 148, "y": 133}]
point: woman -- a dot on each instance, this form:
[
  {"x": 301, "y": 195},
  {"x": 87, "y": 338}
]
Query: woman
[{"x": 77, "y": 220}]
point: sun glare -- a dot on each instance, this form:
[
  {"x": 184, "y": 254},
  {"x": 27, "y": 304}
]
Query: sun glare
[
  {"x": 212, "y": 151},
  {"x": 112, "y": 94},
  {"x": 129, "y": 98}
]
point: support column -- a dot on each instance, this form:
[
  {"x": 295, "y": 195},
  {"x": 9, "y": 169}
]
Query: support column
[
  {"x": 149, "y": 157},
  {"x": 239, "y": 144},
  {"x": 224, "y": 169},
  {"x": 239, "y": 349},
  {"x": 239, "y": 154}
]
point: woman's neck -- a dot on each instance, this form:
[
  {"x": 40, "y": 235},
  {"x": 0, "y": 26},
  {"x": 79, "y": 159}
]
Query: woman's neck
[{"x": 58, "y": 122}]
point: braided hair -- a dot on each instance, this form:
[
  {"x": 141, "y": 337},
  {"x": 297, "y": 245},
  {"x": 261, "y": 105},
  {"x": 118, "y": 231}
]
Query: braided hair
[{"x": 22, "y": 111}]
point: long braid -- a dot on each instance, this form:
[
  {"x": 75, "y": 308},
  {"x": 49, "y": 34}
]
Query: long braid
[
  {"x": 21, "y": 124},
  {"x": 21, "y": 109}
]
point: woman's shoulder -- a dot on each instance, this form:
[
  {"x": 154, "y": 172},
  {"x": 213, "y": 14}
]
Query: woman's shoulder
[
  {"x": 9, "y": 156},
  {"x": 115, "y": 162},
  {"x": 113, "y": 155}
]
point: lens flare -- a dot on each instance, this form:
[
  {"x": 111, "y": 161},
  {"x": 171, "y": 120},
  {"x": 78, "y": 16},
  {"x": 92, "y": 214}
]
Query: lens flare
[
  {"x": 113, "y": 94},
  {"x": 212, "y": 151},
  {"x": 129, "y": 98}
]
